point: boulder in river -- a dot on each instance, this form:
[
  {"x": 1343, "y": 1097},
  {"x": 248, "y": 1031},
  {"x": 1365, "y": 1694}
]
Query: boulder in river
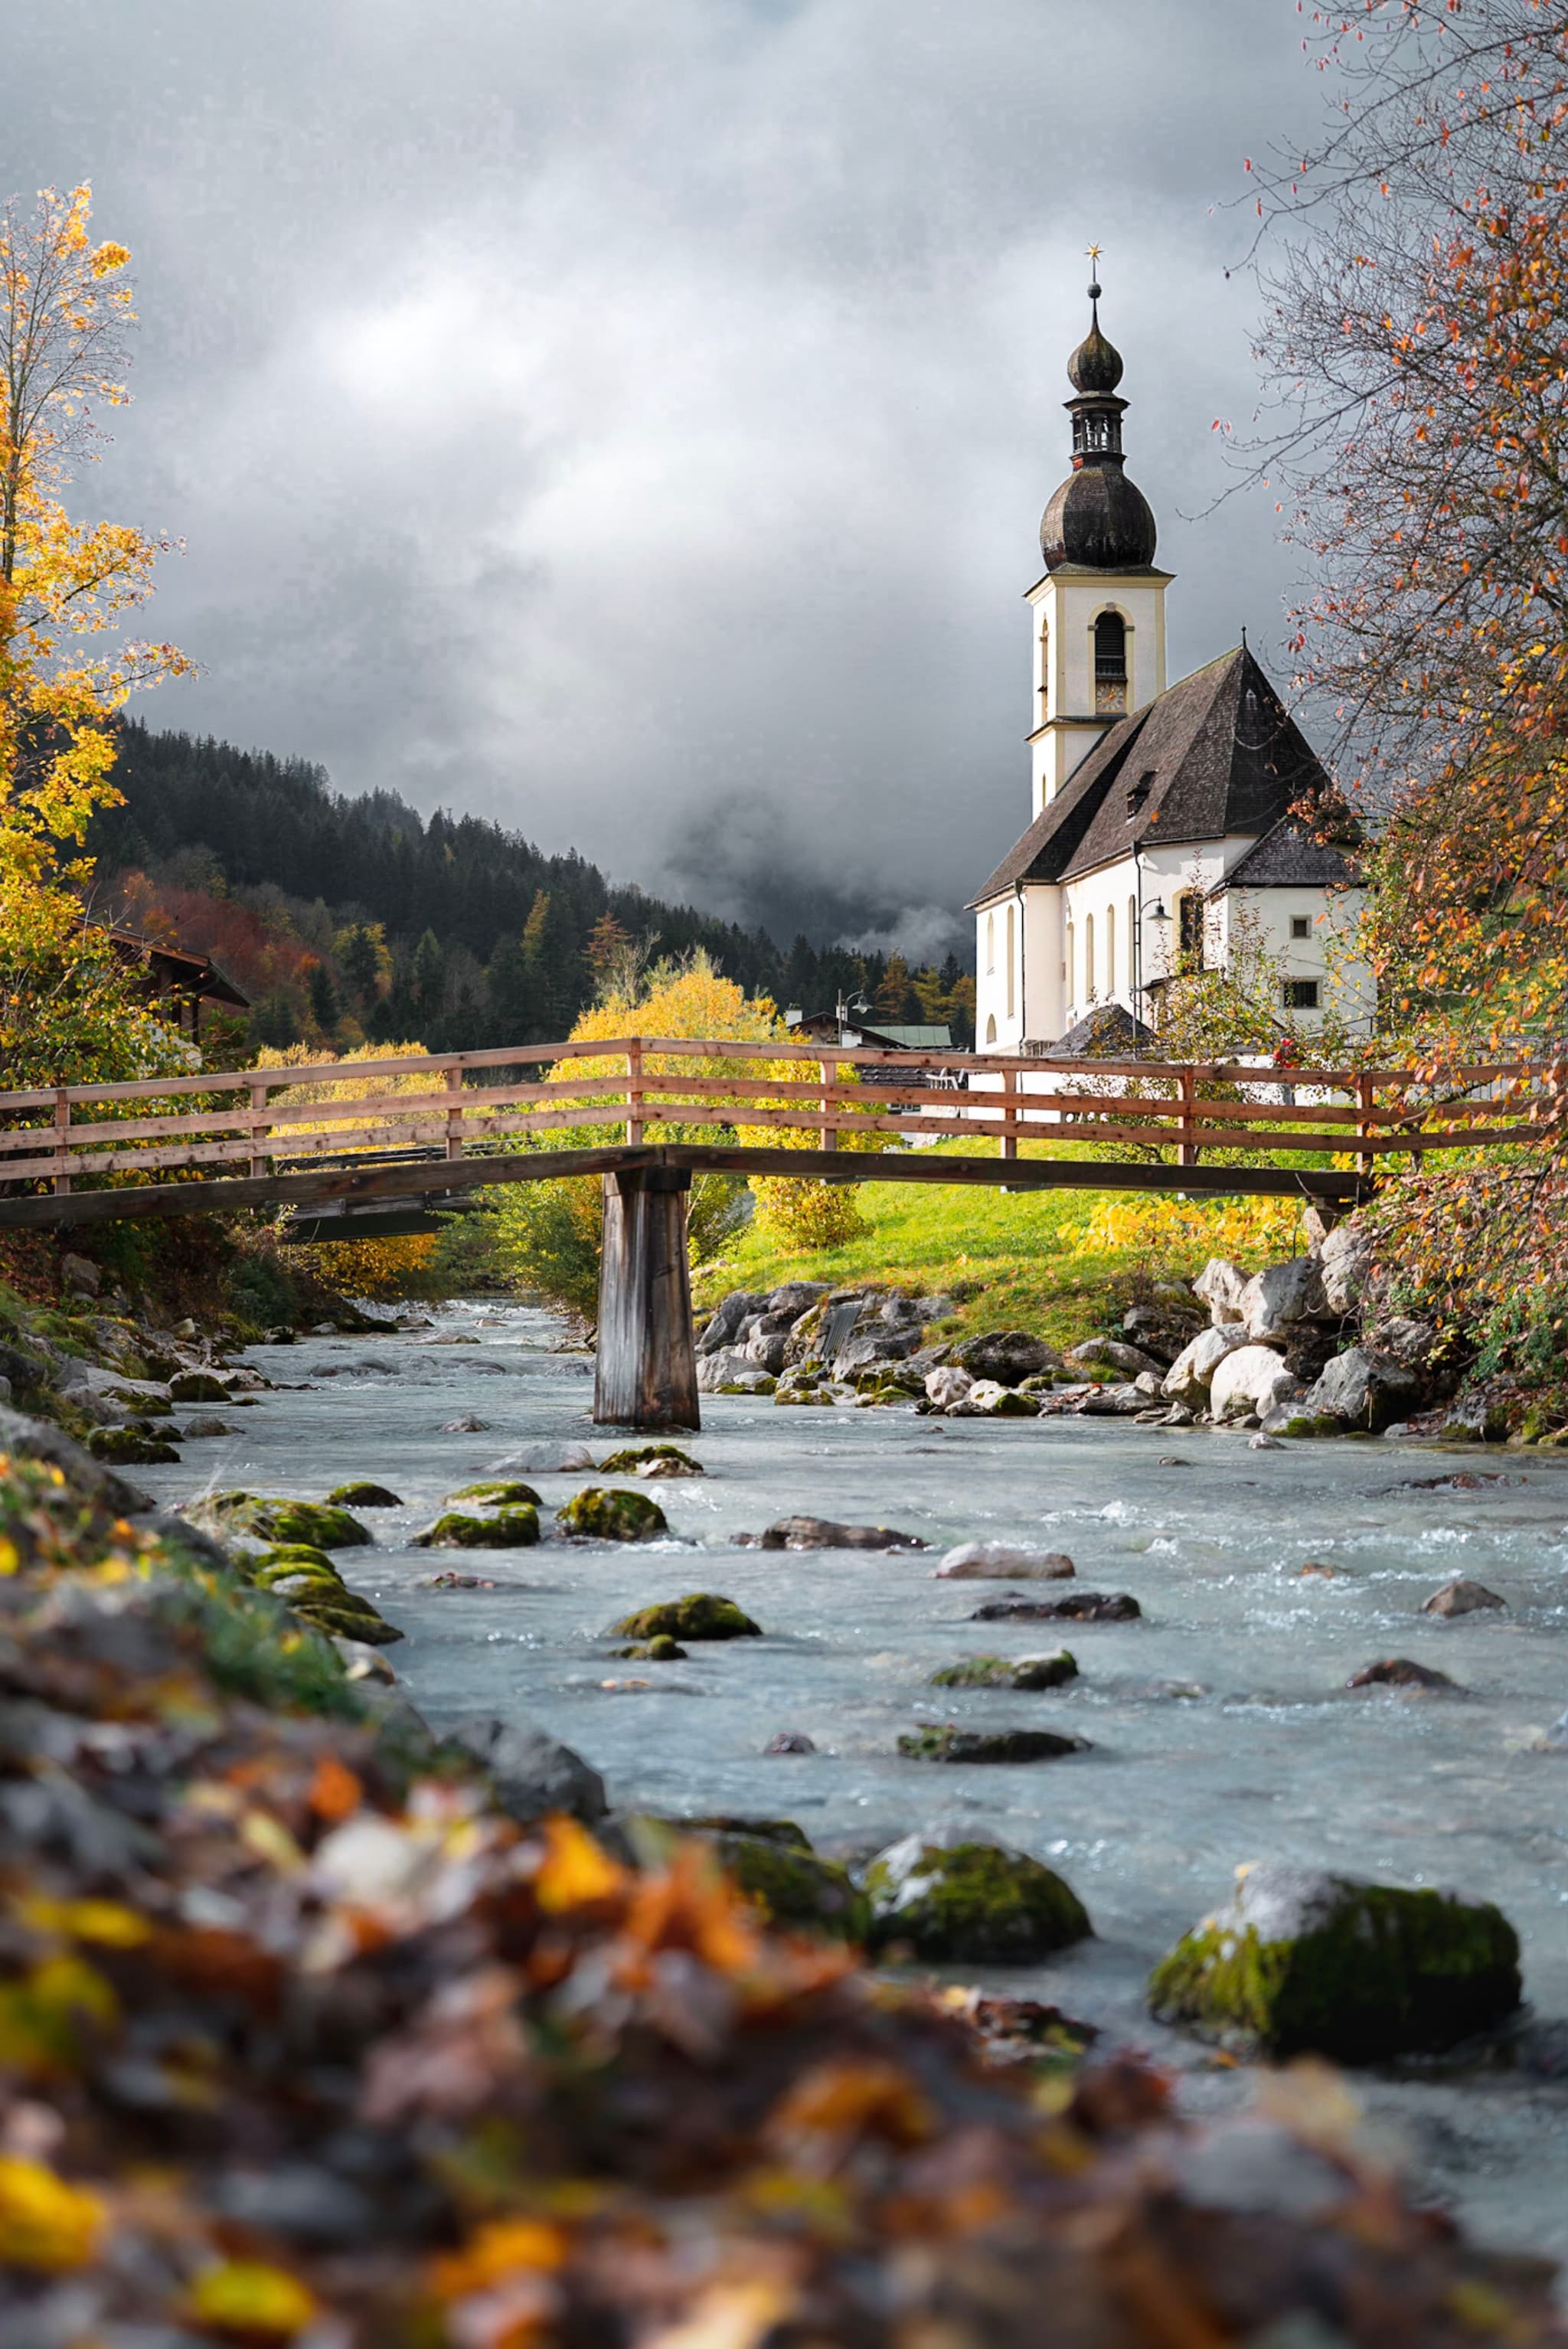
[
  {"x": 1112, "y": 1401},
  {"x": 793, "y": 1886},
  {"x": 791, "y": 1740},
  {"x": 272, "y": 1518},
  {"x": 725, "y": 1321},
  {"x": 362, "y": 1496},
  {"x": 532, "y": 1774},
  {"x": 606, "y": 1513},
  {"x": 1304, "y": 1963},
  {"x": 1345, "y": 1261},
  {"x": 1079, "y": 1606},
  {"x": 826, "y": 1532},
  {"x": 509, "y": 1528},
  {"x": 197, "y": 1386},
  {"x": 700, "y": 1615},
  {"x": 987, "y": 1399},
  {"x": 1008, "y": 1672},
  {"x": 1461, "y": 1597},
  {"x": 947, "y": 1385},
  {"x": 1275, "y": 1299},
  {"x": 1112, "y": 1354},
  {"x": 997, "y": 1561},
  {"x": 1251, "y": 1379},
  {"x": 305, "y": 1578},
  {"x": 651, "y": 1460},
  {"x": 1399, "y": 1672},
  {"x": 1361, "y": 1388},
  {"x": 1220, "y": 1286},
  {"x": 1007, "y": 1356},
  {"x": 129, "y": 1447},
  {"x": 547, "y": 1459},
  {"x": 956, "y": 1897},
  {"x": 498, "y": 1493},
  {"x": 946, "y": 1741}
]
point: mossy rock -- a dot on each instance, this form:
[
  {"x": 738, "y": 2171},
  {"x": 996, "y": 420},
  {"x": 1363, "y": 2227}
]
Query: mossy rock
[
  {"x": 498, "y": 1492},
  {"x": 603, "y": 1512},
  {"x": 637, "y": 1456},
  {"x": 293, "y": 1554},
  {"x": 128, "y": 1448},
  {"x": 362, "y": 1496},
  {"x": 1302, "y": 1962},
  {"x": 1008, "y": 1671},
  {"x": 273, "y": 1519},
  {"x": 804, "y": 1395},
  {"x": 700, "y": 1615},
  {"x": 145, "y": 1406},
  {"x": 198, "y": 1386},
  {"x": 793, "y": 1888},
  {"x": 507, "y": 1529},
  {"x": 948, "y": 1743},
  {"x": 784, "y": 1831},
  {"x": 340, "y": 1622},
  {"x": 971, "y": 1903},
  {"x": 662, "y": 1650}
]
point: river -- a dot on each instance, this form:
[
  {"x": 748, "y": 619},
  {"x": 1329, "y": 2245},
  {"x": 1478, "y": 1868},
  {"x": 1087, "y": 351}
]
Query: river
[{"x": 1273, "y": 1758}]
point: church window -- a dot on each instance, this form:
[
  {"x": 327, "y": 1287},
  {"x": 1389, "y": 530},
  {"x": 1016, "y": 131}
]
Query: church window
[
  {"x": 991, "y": 1029},
  {"x": 1045, "y": 670},
  {"x": 1300, "y": 925},
  {"x": 1110, "y": 664},
  {"x": 1011, "y": 961},
  {"x": 990, "y": 944},
  {"x": 1189, "y": 935},
  {"x": 1088, "y": 958},
  {"x": 1070, "y": 965},
  {"x": 1131, "y": 945},
  {"x": 1300, "y": 994},
  {"x": 1110, "y": 950}
]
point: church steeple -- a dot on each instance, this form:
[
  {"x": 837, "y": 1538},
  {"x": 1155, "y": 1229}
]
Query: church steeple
[{"x": 1098, "y": 519}]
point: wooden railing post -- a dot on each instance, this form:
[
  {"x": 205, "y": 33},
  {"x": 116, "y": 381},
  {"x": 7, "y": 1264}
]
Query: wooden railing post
[
  {"x": 62, "y": 1139},
  {"x": 1009, "y": 1144},
  {"x": 258, "y": 1129},
  {"x": 1187, "y": 1149},
  {"x": 827, "y": 1135},
  {"x": 635, "y": 1093},
  {"x": 453, "y": 1076},
  {"x": 1366, "y": 1092}
]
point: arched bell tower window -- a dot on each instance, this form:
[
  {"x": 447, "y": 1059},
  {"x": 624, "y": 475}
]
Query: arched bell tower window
[
  {"x": 1110, "y": 664},
  {"x": 1045, "y": 670}
]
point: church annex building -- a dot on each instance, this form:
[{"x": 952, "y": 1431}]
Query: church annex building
[{"x": 1162, "y": 828}]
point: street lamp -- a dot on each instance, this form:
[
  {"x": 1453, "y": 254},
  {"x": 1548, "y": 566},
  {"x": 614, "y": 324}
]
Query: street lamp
[{"x": 1161, "y": 919}]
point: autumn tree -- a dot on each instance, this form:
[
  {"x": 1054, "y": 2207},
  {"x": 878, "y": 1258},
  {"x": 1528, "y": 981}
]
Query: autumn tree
[
  {"x": 69, "y": 1011},
  {"x": 1415, "y": 267}
]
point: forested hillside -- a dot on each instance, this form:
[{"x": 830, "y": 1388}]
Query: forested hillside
[{"x": 349, "y": 919}]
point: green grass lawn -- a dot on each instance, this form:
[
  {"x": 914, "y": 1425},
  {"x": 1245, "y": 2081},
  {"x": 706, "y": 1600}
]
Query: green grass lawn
[{"x": 1019, "y": 1261}]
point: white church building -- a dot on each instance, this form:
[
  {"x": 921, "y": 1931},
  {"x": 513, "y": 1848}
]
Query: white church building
[{"x": 1162, "y": 826}]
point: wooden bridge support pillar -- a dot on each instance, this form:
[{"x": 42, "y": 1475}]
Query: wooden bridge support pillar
[{"x": 646, "y": 1370}]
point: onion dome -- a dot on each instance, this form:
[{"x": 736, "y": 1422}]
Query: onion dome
[{"x": 1098, "y": 518}]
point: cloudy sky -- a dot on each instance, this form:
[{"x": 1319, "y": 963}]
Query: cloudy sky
[{"x": 630, "y": 418}]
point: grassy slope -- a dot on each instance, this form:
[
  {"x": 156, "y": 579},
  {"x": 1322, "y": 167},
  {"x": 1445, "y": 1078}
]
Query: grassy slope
[{"x": 1019, "y": 1261}]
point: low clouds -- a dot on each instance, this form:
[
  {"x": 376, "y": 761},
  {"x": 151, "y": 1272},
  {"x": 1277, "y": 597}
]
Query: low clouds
[{"x": 632, "y": 422}]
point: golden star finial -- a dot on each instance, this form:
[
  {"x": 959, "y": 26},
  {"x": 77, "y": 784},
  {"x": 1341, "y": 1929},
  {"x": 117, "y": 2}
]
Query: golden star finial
[{"x": 1092, "y": 252}]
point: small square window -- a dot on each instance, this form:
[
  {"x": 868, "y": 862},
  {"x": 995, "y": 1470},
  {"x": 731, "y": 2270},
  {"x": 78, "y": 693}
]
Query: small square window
[
  {"x": 1301, "y": 995},
  {"x": 1301, "y": 925}
]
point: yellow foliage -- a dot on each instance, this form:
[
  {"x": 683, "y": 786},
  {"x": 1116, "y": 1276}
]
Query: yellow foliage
[
  {"x": 804, "y": 1214},
  {"x": 390, "y": 1267},
  {"x": 44, "y": 2223},
  {"x": 244, "y": 2296},
  {"x": 1174, "y": 1230}
]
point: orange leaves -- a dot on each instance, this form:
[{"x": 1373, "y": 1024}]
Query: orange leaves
[
  {"x": 843, "y": 2102},
  {"x": 334, "y": 1791},
  {"x": 576, "y": 1872}
]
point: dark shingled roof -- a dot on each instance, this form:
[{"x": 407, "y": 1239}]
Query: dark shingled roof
[
  {"x": 1288, "y": 857},
  {"x": 1106, "y": 1031},
  {"x": 1217, "y": 754}
]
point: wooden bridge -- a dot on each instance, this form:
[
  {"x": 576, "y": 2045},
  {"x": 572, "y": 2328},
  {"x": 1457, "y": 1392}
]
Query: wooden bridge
[{"x": 352, "y": 1148}]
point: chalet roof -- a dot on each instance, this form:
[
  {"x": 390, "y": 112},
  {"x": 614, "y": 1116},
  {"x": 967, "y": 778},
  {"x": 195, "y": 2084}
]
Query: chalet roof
[
  {"x": 176, "y": 970},
  {"x": 1217, "y": 754},
  {"x": 1110, "y": 1032},
  {"x": 1288, "y": 857}
]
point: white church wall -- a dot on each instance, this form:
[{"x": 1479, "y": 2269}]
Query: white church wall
[
  {"x": 1068, "y": 718},
  {"x": 1311, "y": 934}
]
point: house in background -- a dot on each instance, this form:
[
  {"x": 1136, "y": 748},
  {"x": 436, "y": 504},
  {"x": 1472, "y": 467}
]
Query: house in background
[
  {"x": 1162, "y": 827},
  {"x": 176, "y": 982}
]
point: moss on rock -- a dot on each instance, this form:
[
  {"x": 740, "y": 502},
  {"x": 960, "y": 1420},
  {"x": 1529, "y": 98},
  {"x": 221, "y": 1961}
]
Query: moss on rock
[
  {"x": 498, "y": 1492},
  {"x": 700, "y": 1615},
  {"x": 793, "y": 1888},
  {"x": 1303, "y": 1962},
  {"x": 636, "y": 1459},
  {"x": 129, "y": 1447},
  {"x": 662, "y": 1650},
  {"x": 948, "y": 1743},
  {"x": 1008, "y": 1672},
  {"x": 970, "y": 1902},
  {"x": 507, "y": 1529},
  {"x": 605, "y": 1512},
  {"x": 198, "y": 1386},
  {"x": 362, "y": 1496},
  {"x": 270, "y": 1519}
]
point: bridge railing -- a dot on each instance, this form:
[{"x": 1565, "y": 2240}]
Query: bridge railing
[{"x": 636, "y": 1089}]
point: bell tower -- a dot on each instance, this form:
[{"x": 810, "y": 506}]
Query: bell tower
[{"x": 1100, "y": 610}]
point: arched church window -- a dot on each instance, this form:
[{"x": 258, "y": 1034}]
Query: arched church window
[
  {"x": 1110, "y": 664},
  {"x": 1089, "y": 987},
  {"x": 1069, "y": 967},
  {"x": 991, "y": 1029},
  {"x": 1012, "y": 960},
  {"x": 1110, "y": 950},
  {"x": 1133, "y": 946},
  {"x": 1045, "y": 670},
  {"x": 990, "y": 944}
]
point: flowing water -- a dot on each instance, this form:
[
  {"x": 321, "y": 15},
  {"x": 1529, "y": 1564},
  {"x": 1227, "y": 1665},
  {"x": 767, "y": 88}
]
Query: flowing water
[{"x": 1266, "y": 1755}]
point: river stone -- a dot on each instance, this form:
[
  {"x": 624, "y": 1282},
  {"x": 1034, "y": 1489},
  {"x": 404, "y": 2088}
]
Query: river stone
[
  {"x": 1250, "y": 1379},
  {"x": 723, "y": 1368},
  {"x": 532, "y": 1773},
  {"x": 602, "y": 1512},
  {"x": 1080, "y": 1607},
  {"x": 727, "y": 1316},
  {"x": 793, "y": 1886},
  {"x": 550, "y": 1459},
  {"x": 1398, "y": 1672},
  {"x": 1112, "y": 1401},
  {"x": 791, "y": 1740},
  {"x": 511, "y": 1529},
  {"x": 700, "y": 1615},
  {"x": 953, "y": 1895},
  {"x": 1277, "y": 1299},
  {"x": 206, "y": 1423},
  {"x": 1476, "y": 1419},
  {"x": 825, "y": 1533},
  {"x": 947, "y": 1385},
  {"x": 197, "y": 1386},
  {"x": 1345, "y": 1262},
  {"x": 796, "y": 1298},
  {"x": 1361, "y": 1388},
  {"x": 1220, "y": 1286},
  {"x": 498, "y": 1493},
  {"x": 766, "y": 1350},
  {"x": 946, "y": 1741},
  {"x": 662, "y": 1650},
  {"x": 129, "y": 1447},
  {"x": 469, "y": 1424},
  {"x": 1007, "y": 1356},
  {"x": 651, "y": 1460},
  {"x": 1000, "y": 1561},
  {"x": 1306, "y": 1962},
  {"x": 1010, "y": 1673},
  {"x": 270, "y": 1519},
  {"x": 1461, "y": 1597},
  {"x": 366, "y": 1496},
  {"x": 987, "y": 1400},
  {"x": 1112, "y": 1354}
]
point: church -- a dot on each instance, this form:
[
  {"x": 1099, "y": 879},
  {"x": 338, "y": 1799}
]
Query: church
[{"x": 1162, "y": 830}]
